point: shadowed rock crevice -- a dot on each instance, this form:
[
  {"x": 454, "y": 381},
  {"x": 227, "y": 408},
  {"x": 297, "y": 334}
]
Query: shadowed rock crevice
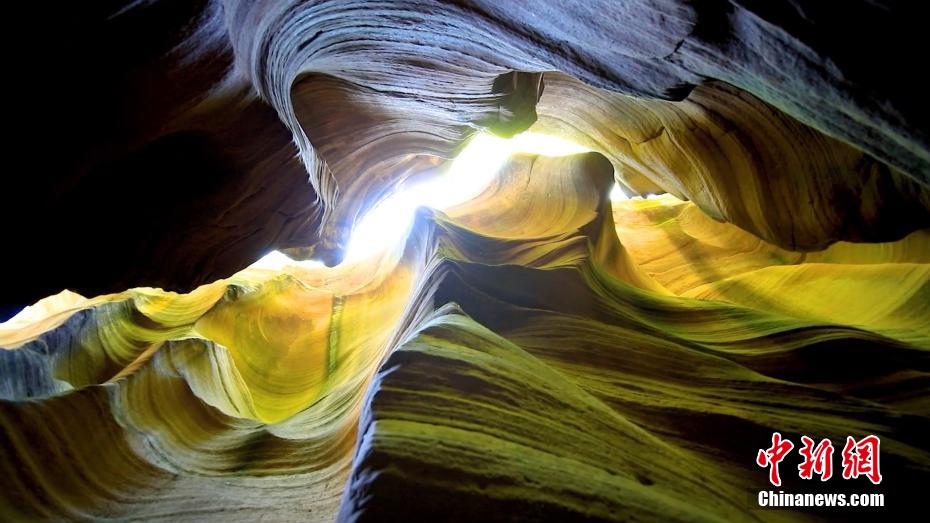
[{"x": 545, "y": 349}]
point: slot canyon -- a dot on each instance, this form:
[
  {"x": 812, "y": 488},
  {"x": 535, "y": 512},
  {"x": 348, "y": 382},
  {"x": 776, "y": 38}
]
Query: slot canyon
[{"x": 464, "y": 260}]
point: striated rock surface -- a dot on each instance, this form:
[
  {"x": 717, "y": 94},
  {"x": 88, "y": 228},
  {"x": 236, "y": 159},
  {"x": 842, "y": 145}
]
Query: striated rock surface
[
  {"x": 545, "y": 351},
  {"x": 199, "y": 105},
  {"x": 741, "y": 161},
  {"x": 505, "y": 363}
]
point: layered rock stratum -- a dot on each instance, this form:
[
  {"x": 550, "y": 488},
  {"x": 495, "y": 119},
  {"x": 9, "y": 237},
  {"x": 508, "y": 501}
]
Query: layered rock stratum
[{"x": 540, "y": 352}]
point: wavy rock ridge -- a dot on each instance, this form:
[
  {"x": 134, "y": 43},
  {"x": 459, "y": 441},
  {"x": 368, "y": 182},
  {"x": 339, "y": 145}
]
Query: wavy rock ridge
[
  {"x": 563, "y": 380},
  {"x": 788, "y": 127},
  {"x": 539, "y": 352}
]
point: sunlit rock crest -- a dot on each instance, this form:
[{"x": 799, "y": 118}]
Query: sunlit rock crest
[
  {"x": 506, "y": 360},
  {"x": 539, "y": 351}
]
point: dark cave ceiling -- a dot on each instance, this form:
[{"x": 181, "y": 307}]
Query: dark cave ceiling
[{"x": 541, "y": 351}]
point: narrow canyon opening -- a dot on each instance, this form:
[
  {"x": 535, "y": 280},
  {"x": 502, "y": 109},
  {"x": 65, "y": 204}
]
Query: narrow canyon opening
[{"x": 434, "y": 260}]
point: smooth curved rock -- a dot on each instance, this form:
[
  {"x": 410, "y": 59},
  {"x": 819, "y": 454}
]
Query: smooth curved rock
[
  {"x": 539, "y": 352},
  {"x": 568, "y": 381},
  {"x": 189, "y": 95}
]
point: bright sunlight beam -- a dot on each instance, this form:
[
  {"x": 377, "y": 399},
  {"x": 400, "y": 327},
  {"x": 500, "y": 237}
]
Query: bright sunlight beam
[
  {"x": 387, "y": 223},
  {"x": 471, "y": 171},
  {"x": 277, "y": 260},
  {"x": 617, "y": 194}
]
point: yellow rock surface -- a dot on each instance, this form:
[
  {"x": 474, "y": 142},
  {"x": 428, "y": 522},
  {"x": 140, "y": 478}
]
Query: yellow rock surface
[{"x": 539, "y": 346}]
